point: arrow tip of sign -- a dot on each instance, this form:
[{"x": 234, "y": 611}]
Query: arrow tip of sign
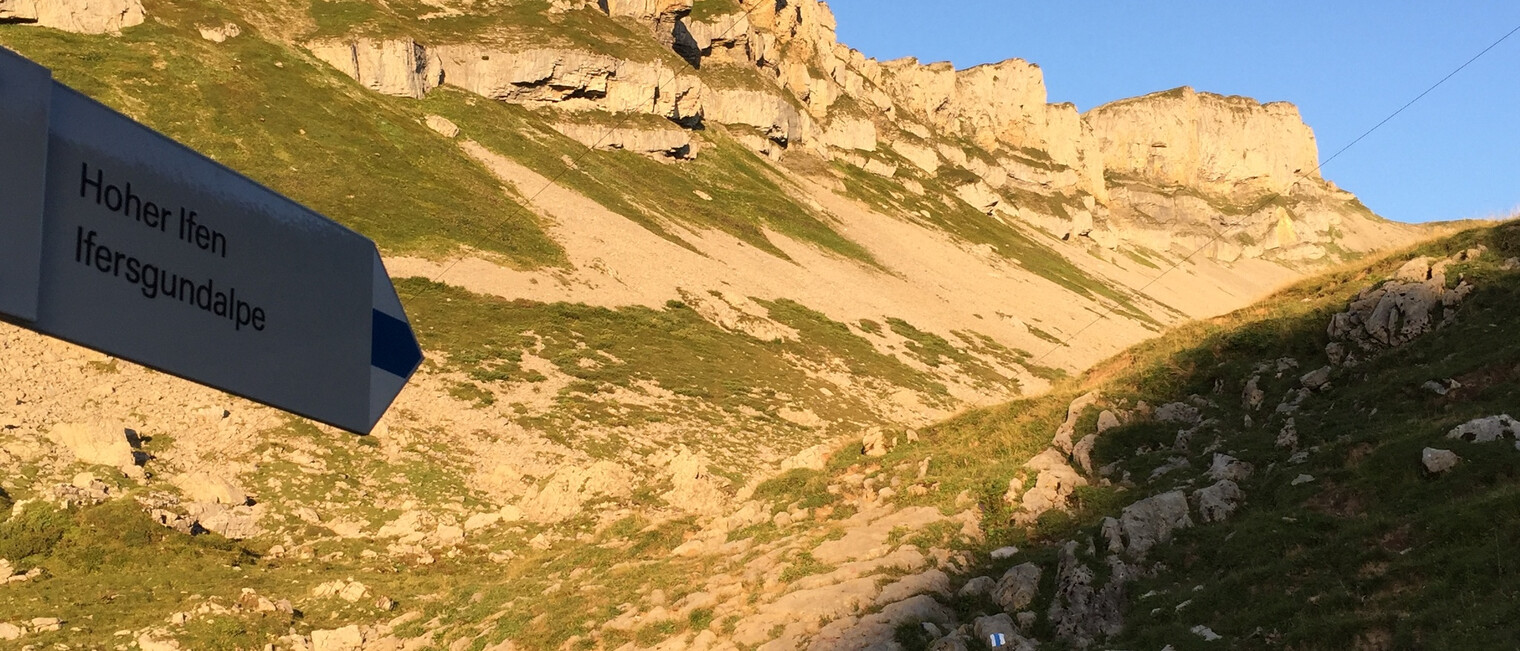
[{"x": 394, "y": 348}]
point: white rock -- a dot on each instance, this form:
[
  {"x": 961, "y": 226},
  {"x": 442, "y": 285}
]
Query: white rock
[
  {"x": 1438, "y": 461},
  {"x": 1066, "y": 434},
  {"x": 874, "y": 444},
  {"x": 1001, "y": 623},
  {"x": 99, "y": 443},
  {"x": 211, "y": 488},
  {"x": 220, "y": 33},
  {"x": 1153, "y": 520},
  {"x": 1216, "y": 503},
  {"x": 977, "y": 587},
  {"x": 1107, "y": 420},
  {"x": 666, "y": 140},
  {"x": 348, "y": 638},
  {"x": 1054, "y": 484},
  {"x": 395, "y": 67},
  {"x": 1206, "y": 633},
  {"x": 80, "y": 16},
  {"x": 146, "y": 642},
  {"x": 1018, "y": 587},
  {"x": 1486, "y": 430},
  {"x": 444, "y": 126},
  {"x": 1316, "y": 379},
  {"x": 1228, "y": 467},
  {"x": 9, "y": 631},
  {"x": 1302, "y": 479},
  {"x": 1178, "y": 412},
  {"x": 482, "y": 521},
  {"x": 1004, "y": 552},
  {"x": 353, "y": 592}
]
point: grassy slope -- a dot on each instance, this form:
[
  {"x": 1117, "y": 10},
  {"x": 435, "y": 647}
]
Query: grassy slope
[
  {"x": 720, "y": 376},
  {"x": 747, "y": 197},
  {"x": 1380, "y": 551},
  {"x": 299, "y": 127}
]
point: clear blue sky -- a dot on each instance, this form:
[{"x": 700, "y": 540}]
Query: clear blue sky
[{"x": 1347, "y": 65}]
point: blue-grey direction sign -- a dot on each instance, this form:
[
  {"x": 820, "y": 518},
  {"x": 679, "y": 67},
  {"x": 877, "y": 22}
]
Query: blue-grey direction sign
[{"x": 117, "y": 238}]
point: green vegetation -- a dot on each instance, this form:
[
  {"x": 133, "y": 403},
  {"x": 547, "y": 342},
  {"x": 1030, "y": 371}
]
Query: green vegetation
[
  {"x": 513, "y": 23},
  {"x": 1384, "y": 551},
  {"x": 716, "y": 375},
  {"x": 805, "y": 488},
  {"x": 747, "y": 199},
  {"x": 941, "y": 208},
  {"x": 804, "y": 565},
  {"x": 302, "y": 129},
  {"x": 706, "y": 10}
]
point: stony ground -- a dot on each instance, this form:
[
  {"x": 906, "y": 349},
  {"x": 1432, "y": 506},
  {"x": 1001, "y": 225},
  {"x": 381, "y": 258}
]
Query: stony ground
[{"x": 1060, "y": 519}]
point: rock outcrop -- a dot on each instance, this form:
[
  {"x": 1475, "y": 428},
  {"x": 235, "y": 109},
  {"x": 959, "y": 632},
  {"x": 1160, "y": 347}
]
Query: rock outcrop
[
  {"x": 1397, "y": 312},
  {"x": 395, "y": 67},
  {"x": 81, "y": 16},
  {"x": 1223, "y": 146},
  {"x": 668, "y": 141}
]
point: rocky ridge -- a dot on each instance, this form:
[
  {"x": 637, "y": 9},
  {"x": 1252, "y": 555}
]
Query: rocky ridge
[{"x": 1114, "y": 171}]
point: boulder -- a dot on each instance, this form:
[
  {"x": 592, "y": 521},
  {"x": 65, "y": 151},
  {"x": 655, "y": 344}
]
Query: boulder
[
  {"x": 1316, "y": 379},
  {"x": 1438, "y": 461},
  {"x": 348, "y": 638},
  {"x": 1218, "y": 502},
  {"x": 977, "y": 587},
  {"x": 1228, "y": 467},
  {"x": 1082, "y": 452},
  {"x": 444, "y": 126},
  {"x": 1066, "y": 433},
  {"x": 99, "y": 443},
  {"x": 1000, "y": 624},
  {"x": 220, "y": 33},
  {"x": 1018, "y": 587},
  {"x": 1004, "y": 552},
  {"x": 1253, "y": 396},
  {"x": 1054, "y": 484},
  {"x": 9, "y": 631},
  {"x": 875, "y": 444},
  {"x": 1178, "y": 412},
  {"x": 211, "y": 488},
  {"x": 1487, "y": 429},
  {"x": 1108, "y": 420},
  {"x": 233, "y": 522},
  {"x": 1153, "y": 520},
  {"x": 1082, "y": 613}
]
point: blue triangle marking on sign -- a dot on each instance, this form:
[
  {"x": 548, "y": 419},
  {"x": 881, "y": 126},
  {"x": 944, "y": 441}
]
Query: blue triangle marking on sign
[{"x": 393, "y": 348}]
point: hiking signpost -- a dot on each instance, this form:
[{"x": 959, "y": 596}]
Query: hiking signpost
[{"x": 119, "y": 239}]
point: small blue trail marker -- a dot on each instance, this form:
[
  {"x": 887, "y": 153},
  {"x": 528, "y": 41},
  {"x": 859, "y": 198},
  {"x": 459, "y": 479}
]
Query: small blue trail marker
[{"x": 117, "y": 238}]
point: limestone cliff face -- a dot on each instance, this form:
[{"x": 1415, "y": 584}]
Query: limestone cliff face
[
  {"x": 393, "y": 67},
  {"x": 1157, "y": 172},
  {"x": 1219, "y": 145},
  {"x": 82, "y": 16}
]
